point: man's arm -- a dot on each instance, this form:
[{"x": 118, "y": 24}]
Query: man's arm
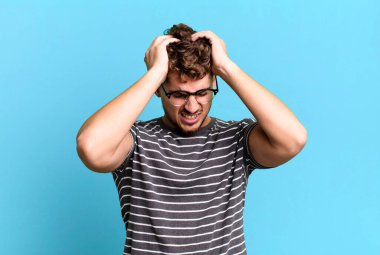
[
  {"x": 279, "y": 135},
  {"x": 104, "y": 140}
]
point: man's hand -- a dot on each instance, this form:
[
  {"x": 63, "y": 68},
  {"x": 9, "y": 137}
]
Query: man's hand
[
  {"x": 218, "y": 51},
  {"x": 156, "y": 55}
]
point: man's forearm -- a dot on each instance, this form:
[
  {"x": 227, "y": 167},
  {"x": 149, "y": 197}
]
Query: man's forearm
[
  {"x": 101, "y": 134},
  {"x": 281, "y": 126}
]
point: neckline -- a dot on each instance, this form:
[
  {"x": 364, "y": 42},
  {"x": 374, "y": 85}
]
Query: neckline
[{"x": 201, "y": 131}]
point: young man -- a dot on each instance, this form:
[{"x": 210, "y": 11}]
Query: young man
[{"x": 182, "y": 177}]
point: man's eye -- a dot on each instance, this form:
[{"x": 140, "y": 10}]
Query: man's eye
[
  {"x": 202, "y": 93},
  {"x": 179, "y": 95}
]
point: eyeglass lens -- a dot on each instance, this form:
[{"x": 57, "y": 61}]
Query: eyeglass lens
[{"x": 180, "y": 98}]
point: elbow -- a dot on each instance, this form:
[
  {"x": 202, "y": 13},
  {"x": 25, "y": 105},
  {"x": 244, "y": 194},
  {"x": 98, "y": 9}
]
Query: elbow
[
  {"x": 94, "y": 163},
  {"x": 299, "y": 142},
  {"x": 85, "y": 155},
  {"x": 82, "y": 151}
]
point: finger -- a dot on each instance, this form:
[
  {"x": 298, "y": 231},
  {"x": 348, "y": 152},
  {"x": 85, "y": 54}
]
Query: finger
[
  {"x": 203, "y": 34},
  {"x": 164, "y": 40},
  {"x": 160, "y": 39},
  {"x": 167, "y": 41},
  {"x": 157, "y": 40},
  {"x": 207, "y": 34}
]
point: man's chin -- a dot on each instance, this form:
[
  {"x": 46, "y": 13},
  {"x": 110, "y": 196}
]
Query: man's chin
[
  {"x": 192, "y": 129},
  {"x": 189, "y": 131}
]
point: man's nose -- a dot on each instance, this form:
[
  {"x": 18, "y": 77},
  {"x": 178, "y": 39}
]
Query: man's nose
[{"x": 192, "y": 105}]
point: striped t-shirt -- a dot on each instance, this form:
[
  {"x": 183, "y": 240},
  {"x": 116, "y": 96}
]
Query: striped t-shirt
[{"x": 184, "y": 194}]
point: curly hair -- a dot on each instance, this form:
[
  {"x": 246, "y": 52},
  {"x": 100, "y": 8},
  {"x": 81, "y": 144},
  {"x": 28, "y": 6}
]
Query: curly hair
[{"x": 187, "y": 57}]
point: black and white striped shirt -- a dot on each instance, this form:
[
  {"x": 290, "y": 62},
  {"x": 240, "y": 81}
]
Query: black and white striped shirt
[{"x": 185, "y": 194}]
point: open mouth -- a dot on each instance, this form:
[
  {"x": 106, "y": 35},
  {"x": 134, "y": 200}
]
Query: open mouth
[{"x": 190, "y": 118}]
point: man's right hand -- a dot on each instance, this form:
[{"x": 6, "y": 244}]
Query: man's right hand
[
  {"x": 157, "y": 57},
  {"x": 103, "y": 147}
]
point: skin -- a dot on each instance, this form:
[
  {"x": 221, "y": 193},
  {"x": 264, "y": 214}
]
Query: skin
[
  {"x": 104, "y": 140},
  {"x": 279, "y": 135},
  {"x": 172, "y": 117}
]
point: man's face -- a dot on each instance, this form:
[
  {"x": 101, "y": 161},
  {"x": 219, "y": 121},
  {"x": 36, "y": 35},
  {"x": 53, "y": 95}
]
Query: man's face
[{"x": 182, "y": 117}]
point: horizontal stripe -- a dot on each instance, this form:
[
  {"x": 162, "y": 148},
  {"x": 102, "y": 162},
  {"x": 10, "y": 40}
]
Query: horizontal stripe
[
  {"x": 154, "y": 134},
  {"x": 187, "y": 168},
  {"x": 177, "y": 195},
  {"x": 190, "y": 153},
  {"x": 178, "y": 203},
  {"x": 192, "y": 252},
  {"x": 187, "y": 236},
  {"x": 188, "y": 228},
  {"x": 184, "y": 219},
  {"x": 175, "y": 187},
  {"x": 240, "y": 244},
  {"x": 178, "y": 180},
  {"x": 185, "y": 194},
  {"x": 190, "y": 145},
  {"x": 185, "y": 245},
  {"x": 169, "y": 187},
  {"x": 152, "y": 208}
]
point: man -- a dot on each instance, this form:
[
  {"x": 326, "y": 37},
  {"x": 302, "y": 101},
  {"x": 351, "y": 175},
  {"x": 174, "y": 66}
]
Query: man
[{"x": 182, "y": 177}]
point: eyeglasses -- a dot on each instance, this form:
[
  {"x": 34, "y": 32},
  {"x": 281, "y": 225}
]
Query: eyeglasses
[{"x": 203, "y": 96}]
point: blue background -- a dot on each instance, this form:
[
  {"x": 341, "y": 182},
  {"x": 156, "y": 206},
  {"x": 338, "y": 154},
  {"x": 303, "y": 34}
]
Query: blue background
[{"x": 62, "y": 61}]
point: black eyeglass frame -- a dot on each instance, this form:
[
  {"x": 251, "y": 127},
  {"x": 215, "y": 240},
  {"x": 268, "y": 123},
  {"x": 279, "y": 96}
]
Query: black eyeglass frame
[{"x": 191, "y": 93}]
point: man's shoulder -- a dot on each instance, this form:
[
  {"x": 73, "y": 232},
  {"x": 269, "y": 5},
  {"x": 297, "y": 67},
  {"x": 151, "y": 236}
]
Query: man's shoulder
[
  {"x": 234, "y": 123},
  {"x": 146, "y": 123}
]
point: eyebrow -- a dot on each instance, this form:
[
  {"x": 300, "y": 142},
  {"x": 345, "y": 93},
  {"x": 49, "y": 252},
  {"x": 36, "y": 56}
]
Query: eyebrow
[
  {"x": 173, "y": 91},
  {"x": 179, "y": 90}
]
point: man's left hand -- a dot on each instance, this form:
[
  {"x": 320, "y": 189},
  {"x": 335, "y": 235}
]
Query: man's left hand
[{"x": 218, "y": 51}]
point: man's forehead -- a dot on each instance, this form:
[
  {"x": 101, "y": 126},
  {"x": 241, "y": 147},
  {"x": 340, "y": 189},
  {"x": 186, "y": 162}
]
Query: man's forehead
[{"x": 183, "y": 82}]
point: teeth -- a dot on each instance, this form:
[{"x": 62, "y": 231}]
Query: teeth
[{"x": 190, "y": 116}]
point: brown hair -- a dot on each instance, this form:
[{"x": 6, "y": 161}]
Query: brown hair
[{"x": 187, "y": 57}]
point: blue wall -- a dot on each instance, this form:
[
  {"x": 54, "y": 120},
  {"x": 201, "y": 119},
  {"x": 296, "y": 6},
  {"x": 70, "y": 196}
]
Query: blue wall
[{"x": 60, "y": 62}]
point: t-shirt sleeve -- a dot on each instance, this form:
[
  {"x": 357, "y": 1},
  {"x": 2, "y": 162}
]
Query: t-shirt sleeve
[
  {"x": 134, "y": 130},
  {"x": 249, "y": 159}
]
